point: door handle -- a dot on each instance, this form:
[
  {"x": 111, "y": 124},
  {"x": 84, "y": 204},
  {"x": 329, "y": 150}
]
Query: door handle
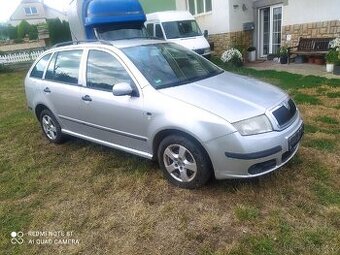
[
  {"x": 87, "y": 98},
  {"x": 47, "y": 90}
]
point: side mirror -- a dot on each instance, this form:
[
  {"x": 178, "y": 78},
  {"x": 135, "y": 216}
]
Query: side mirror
[
  {"x": 122, "y": 89},
  {"x": 206, "y": 33}
]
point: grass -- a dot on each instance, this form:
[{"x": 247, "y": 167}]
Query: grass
[{"x": 116, "y": 203}]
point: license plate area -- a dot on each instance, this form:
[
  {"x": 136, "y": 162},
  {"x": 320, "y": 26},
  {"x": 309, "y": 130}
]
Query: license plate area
[{"x": 295, "y": 138}]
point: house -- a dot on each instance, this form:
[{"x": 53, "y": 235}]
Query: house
[
  {"x": 265, "y": 24},
  {"x": 34, "y": 12}
]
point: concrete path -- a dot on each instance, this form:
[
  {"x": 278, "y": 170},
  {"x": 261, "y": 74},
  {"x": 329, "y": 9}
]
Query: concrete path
[{"x": 304, "y": 69}]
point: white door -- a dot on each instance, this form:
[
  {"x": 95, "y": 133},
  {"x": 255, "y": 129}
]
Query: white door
[{"x": 270, "y": 24}]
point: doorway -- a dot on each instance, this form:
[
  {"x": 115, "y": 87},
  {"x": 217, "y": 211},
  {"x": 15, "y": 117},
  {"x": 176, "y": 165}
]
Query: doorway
[{"x": 270, "y": 26}]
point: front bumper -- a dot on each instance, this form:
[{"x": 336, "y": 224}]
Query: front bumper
[{"x": 236, "y": 156}]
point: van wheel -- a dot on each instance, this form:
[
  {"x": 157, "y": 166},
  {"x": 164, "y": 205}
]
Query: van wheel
[
  {"x": 183, "y": 162},
  {"x": 51, "y": 127}
]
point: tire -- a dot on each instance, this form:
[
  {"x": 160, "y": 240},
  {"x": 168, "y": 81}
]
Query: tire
[
  {"x": 51, "y": 127},
  {"x": 184, "y": 162}
]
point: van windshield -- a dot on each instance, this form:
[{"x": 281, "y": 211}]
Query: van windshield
[
  {"x": 167, "y": 65},
  {"x": 180, "y": 29}
]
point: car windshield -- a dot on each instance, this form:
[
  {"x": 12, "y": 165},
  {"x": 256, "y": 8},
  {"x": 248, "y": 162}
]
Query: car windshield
[
  {"x": 114, "y": 32},
  {"x": 167, "y": 64},
  {"x": 180, "y": 29}
]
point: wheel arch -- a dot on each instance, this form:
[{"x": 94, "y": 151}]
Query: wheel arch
[
  {"x": 38, "y": 110},
  {"x": 167, "y": 132}
]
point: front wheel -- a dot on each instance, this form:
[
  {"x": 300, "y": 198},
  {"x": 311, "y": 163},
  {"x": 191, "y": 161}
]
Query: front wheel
[{"x": 183, "y": 162}]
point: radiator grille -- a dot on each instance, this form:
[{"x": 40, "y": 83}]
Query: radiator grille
[{"x": 285, "y": 113}]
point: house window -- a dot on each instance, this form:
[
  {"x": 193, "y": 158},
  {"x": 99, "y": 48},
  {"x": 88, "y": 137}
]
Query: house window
[
  {"x": 31, "y": 10},
  {"x": 196, "y": 7}
]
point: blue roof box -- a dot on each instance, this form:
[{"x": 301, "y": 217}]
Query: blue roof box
[{"x": 101, "y": 12}]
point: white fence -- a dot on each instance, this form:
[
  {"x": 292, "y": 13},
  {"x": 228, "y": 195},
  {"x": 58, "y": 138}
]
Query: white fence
[{"x": 20, "y": 57}]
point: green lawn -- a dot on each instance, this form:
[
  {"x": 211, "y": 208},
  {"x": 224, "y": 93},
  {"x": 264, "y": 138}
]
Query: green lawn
[{"x": 116, "y": 203}]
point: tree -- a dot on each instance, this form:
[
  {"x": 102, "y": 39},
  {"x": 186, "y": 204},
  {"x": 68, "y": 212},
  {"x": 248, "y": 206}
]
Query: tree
[
  {"x": 12, "y": 32},
  {"x": 33, "y": 32},
  {"x": 23, "y": 29},
  {"x": 59, "y": 31}
]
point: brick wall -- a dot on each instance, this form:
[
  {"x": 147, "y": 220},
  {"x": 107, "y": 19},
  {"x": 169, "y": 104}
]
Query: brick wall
[
  {"x": 310, "y": 30},
  {"x": 225, "y": 41}
]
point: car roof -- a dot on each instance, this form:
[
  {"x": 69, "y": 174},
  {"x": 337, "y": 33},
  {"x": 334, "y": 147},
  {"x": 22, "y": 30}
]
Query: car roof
[{"x": 120, "y": 44}]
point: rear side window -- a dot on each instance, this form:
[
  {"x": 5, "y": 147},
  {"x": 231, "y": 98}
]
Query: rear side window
[
  {"x": 159, "y": 32},
  {"x": 104, "y": 71},
  {"x": 64, "y": 67},
  {"x": 39, "y": 68}
]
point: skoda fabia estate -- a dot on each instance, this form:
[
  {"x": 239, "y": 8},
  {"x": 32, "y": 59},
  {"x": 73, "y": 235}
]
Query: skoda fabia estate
[{"x": 161, "y": 101}]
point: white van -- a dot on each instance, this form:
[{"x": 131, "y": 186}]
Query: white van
[{"x": 179, "y": 27}]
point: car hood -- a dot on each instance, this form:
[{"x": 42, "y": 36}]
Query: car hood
[{"x": 230, "y": 96}]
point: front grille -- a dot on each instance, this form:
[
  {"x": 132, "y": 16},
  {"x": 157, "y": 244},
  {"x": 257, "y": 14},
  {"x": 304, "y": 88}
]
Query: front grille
[{"x": 284, "y": 114}]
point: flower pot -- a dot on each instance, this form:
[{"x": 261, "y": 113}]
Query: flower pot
[
  {"x": 336, "y": 70},
  {"x": 329, "y": 68},
  {"x": 319, "y": 61},
  {"x": 311, "y": 60},
  {"x": 252, "y": 56},
  {"x": 284, "y": 60}
]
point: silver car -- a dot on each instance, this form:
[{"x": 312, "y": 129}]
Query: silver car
[{"x": 161, "y": 101}]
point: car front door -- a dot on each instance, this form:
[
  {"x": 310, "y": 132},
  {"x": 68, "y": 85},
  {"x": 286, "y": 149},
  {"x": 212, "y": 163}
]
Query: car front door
[{"x": 117, "y": 120}]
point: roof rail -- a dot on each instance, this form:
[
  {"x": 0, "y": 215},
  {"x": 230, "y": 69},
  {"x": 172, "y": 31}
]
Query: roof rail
[{"x": 79, "y": 42}]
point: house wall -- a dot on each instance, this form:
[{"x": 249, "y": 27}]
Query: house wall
[
  {"x": 309, "y": 11},
  {"x": 240, "y": 11},
  {"x": 19, "y": 14},
  {"x": 53, "y": 14},
  {"x": 329, "y": 29},
  {"x": 310, "y": 18}
]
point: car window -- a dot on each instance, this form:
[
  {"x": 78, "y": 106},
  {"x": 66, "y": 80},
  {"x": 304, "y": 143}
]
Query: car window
[
  {"x": 64, "y": 67},
  {"x": 149, "y": 27},
  {"x": 159, "y": 32},
  {"x": 39, "y": 68},
  {"x": 104, "y": 71},
  {"x": 167, "y": 65}
]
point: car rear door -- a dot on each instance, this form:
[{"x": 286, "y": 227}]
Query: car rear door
[{"x": 61, "y": 89}]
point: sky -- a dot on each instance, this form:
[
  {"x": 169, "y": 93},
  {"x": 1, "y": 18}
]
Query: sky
[{"x": 7, "y": 7}]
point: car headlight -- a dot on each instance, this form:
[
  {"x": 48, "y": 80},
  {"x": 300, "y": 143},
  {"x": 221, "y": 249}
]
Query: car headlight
[
  {"x": 254, "y": 126},
  {"x": 207, "y": 50}
]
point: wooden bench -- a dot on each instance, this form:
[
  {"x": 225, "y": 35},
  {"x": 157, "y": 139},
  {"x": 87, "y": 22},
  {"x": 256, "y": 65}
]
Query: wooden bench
[{"x": 310, "y": 47}]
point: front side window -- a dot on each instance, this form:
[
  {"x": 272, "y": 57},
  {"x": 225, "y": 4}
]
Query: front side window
[
  {"x": 104, "y": 71},
  {"x": 180, "y": 29},
  {"x": 39, "y": 68},
  {"x": 159, "y": 32},
  {"x": 166, "y": 65},
  {"x": 149, "y": 27},
  {"x": 64, "y": 67}
]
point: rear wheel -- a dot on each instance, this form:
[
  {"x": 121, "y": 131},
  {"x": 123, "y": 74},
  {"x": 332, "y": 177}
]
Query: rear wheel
[
  {"x": 183, "y": 162},
  {"x": 51, "y": 127}
]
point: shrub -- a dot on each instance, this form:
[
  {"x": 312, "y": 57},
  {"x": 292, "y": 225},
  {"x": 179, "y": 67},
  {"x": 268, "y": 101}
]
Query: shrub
[
  {"x": 232, "y": 57},
  {"x": 332, "y": 56}
]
